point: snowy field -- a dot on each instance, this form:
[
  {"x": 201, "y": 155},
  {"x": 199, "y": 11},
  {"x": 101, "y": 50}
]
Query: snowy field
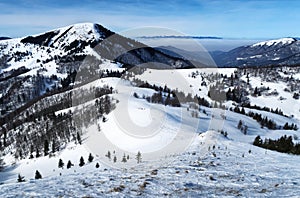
[
  {"x": 181, "y": 155},
  {"x": 213, "y": 166}
]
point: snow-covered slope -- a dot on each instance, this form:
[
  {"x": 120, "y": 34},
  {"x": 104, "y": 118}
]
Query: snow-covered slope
[
  {"x": 35, "y": 65},
  {"x": 208, "y": 164},
  {"x": 282, "y": 41},
  {"x": 213, "y": 166},
  {"x": 61, "y": 99}
]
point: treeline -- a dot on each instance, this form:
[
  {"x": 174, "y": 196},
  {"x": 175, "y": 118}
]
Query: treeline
[
  {"x": 86, "y": 75},
  {"x": 39, "y": 131},
  {"x": 169, "y": 97},
  {"x": 292, "y": 126},
  {"x": 264, "y": 121},
  {"x": 267, "y": 109},
  {"x": 284, "y": 144}
]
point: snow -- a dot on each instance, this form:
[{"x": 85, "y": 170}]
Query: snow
[
  {"x": 284, "y": 41},
  {"x": 191, "y": 157},
  {"x": 289, "y": 106},
  {"x": 65, "y": 36},
  {"x": 47, "y": 166},
  {"x": 256, "y": 56},
  {"x": 228, "y": 170}
]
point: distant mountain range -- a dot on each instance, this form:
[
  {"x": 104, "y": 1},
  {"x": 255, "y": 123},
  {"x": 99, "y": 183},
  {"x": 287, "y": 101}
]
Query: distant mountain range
[
  {"x": 181, "y": 37},
  {"x": 3, "y": 38},
  {"x": 285, "y": 51}
]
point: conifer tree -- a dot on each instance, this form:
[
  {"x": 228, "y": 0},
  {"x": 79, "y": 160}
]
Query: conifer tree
[
  {"x": 240, "y": 124},
  {"x": 37, "y": 175},
  {"x": 53, "y": 146},
  {"x": 124, "y": 158},
  {"x": 1, "y": 164},
  {"x": 79, "y": 138},
  {"x": 37, "y": 154},
  {"x": 20, "y": 178},
  {"x": 91, "y": 158},
  {"x": 69, "y": 164},
  {"x": 139, "y": 157},
  {"x": 108, "y": 155},
  {"x": 257, "y": 141},
  {"x": 60, "y": 163},
  {"x": 46, "y": 147},
  {"x": 81, "y": 162}
]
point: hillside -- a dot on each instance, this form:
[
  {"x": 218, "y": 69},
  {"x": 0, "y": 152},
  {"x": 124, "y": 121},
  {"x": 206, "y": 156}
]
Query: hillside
[
  {"x": 206, "y": 161},
  {"x": 79, "y": 106}
]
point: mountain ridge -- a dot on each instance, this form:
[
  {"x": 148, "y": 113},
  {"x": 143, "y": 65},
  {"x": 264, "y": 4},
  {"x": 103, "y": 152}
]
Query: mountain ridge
[{"x": 284, "y": 51}]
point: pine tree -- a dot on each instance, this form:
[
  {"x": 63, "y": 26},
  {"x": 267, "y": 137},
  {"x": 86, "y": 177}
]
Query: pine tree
[
  {"x": 255, "y": 91},
  {"x": 37, "y": 153},
  {"x": 21, "y": 178},
  {"x": 60, "y": 163},
  {"x": 257, "y": 141},
  {"x": 115, "y": 159},
  {"x": 1, "y": 164},
  {"x": 139, "y": 157},
  {"x": 90, "y": 158},
  {"x": 46, "y": 147},
  {"x": 97, "y": 165},
  {"x": 79, "y": 138},
  {"x": 38, "y": 175},
  {"x": 31, "y": 151},
  {"x": 124, "y": 158},
  {"x": 108, "y": 155},
  {"x": 225, "y": 134},
  {"x": 286, "y": 126},
  {"x": 53, "y": 146},
  {"x": 81, "y": 162},
  {"x": 243, "y": 111},
  {"x": 69, "y": 164},
  {"x": 240, "y": 124},
  {"x": 245, "y": 129}
]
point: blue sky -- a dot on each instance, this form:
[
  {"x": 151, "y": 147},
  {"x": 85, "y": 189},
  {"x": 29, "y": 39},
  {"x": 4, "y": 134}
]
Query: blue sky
[{"x": 224, "y": 18}]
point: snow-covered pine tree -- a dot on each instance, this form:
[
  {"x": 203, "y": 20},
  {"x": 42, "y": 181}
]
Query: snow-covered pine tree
[{"x": 139, "y": 157}]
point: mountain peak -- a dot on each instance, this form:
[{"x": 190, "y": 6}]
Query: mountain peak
[
  {"x": 73, "y": 35},
  {"x": 284, "y": 41}
]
